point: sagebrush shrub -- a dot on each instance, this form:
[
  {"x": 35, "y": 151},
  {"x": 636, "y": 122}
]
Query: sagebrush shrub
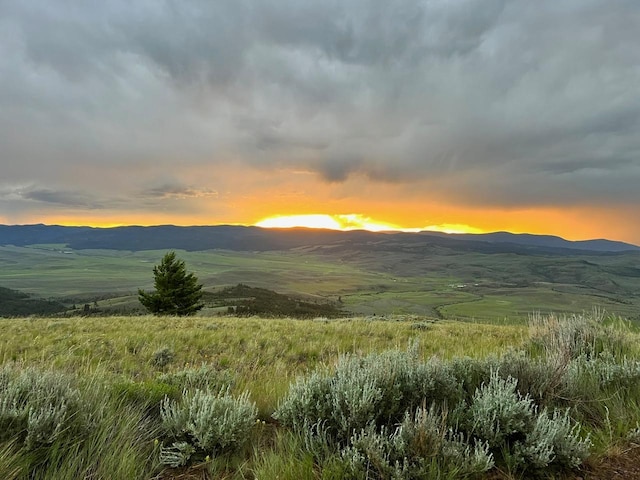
[
  {"x": 377, "y": 389},
  {"x": 38, "y": 407},
  {"x": 563, "y": 338},
  {"x": 392, "y": 415},
  {"x": 211, "y": 423},
  {"x": 427, "y": 435},
  {"x": 422, "y": 446},
  {"x": 162, "y": 357},
  {"x": 538, "y": 378},
  {"x": 511, "y": 424},
  {"x": 177, "y": 454},
  {"x": 498, "y": 412}
]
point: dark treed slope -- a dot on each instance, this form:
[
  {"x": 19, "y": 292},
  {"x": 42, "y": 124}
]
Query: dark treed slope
[
  {"x": 14, "y": 304},
  {"x": 245, "y": 300},
  {"x": 239, "y": 238}
]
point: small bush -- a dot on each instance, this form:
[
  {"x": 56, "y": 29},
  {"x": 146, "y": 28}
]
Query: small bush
[
  {"x": 391, "y": 415},
  {"x": 162, "y": 357},
  {"x": 39, "y": 407},
  {"x": 421, "y": 447},
  {"x": 564, "y": 338},
  {"x": 512, "y": 426},
  {"x": 177, "y": 455},
  {"x": 210, "y": 423},
  {"x": 498, "y": 413},
  {"x": 555, "y": 440},
  {"x": 377, "y": 389}
]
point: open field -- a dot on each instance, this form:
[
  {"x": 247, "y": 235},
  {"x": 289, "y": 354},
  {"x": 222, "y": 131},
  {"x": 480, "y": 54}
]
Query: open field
[
  {"x": 438, "y": 283},
  {"x": 257, "y": 350},
  {"x": 124, "y": 367}
]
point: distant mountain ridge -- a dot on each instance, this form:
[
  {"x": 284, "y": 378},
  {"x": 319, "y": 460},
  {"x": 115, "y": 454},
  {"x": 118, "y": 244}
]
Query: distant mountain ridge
[
  {"x": 240, "y": 238},
  {"x": 551, "y": 241}
]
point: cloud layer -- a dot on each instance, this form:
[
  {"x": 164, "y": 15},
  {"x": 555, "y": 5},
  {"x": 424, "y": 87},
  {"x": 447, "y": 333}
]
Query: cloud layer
[{"x": 504, "y": 104}]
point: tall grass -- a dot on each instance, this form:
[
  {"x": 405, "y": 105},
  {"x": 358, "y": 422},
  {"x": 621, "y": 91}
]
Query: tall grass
[
  {"x": 333, "y": 399},
  {"x": 115, "y": 441}
]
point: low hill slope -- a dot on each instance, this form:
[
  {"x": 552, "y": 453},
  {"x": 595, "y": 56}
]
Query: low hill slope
[
  {"x": 239, "y": 238},
  {"x": 245, "y": 300},
  {"x": 14, "y": 304}
]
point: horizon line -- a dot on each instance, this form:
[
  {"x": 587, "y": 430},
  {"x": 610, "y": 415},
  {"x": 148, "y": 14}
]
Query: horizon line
[{"x": 390, "y": 231}]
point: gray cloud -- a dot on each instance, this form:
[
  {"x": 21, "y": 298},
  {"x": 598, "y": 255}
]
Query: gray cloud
[
  {"x": 66, "y": 198},
  {"x": 493, "y": 102},
  {"x": 175, "y": 190}
]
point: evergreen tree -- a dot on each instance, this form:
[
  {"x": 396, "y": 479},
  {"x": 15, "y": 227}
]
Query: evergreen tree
[{"x": 176, "y": 291}]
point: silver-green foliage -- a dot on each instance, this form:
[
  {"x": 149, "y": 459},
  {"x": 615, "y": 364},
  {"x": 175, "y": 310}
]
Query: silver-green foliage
[
  {"x": 177, "y": 454},
  {"x": 374, "y": 390},
  {"x": 211, "y": 423},
  {"x": 511, "y": 423},
  {"x": 513, "y": 408},
  {"x": 162, "y": 357},
  {"x": 498, "y": 411},
  {"x": 554, "y": 439},
  {"x": 38, "y": 407},
  {"x": 420, "y": 446},
  {"x": 562, "y": 338}
]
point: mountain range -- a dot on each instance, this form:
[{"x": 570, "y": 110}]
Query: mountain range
[{"x": 241, "y": 238}]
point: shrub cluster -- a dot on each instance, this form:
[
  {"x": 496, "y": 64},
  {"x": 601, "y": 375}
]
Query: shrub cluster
[
  {"x": 391, "y": 415},
  {"x": 374, "y": 390},
  {"x": 205, "y": 424},
  {"x": 422, "y": 446},
  {"x": 39, "y": 407}
]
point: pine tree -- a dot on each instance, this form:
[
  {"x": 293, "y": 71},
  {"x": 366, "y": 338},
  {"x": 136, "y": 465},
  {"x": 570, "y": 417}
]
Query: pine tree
[{"x": 176, "y": 291}]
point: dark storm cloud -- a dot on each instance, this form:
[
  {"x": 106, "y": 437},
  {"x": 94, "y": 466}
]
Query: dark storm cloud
[
  {"x": 74, "y": 199},
  {"x": 175, "y": 190},
  {"x": 488, "y": 101}
]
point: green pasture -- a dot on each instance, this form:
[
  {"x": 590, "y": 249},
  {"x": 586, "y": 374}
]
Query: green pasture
[
  {"x": 265, "y": 355},
  {"x": 516, "y": 304},
  {"x": 464, "y": 286}
]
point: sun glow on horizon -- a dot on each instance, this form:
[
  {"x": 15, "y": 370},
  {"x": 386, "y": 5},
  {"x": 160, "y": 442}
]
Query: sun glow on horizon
[
  {"x": 354, "y": 221},
  {"x": 343, "y": 222},
  {"x": 452, "y": 228}
]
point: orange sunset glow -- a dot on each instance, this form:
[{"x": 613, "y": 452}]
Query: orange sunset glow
[
  {"x": 406, "y": 216},
  {"x": 354, "y": 221},
  {"x": 285, "y": 198},
  {"x": 333, "y": 222}
]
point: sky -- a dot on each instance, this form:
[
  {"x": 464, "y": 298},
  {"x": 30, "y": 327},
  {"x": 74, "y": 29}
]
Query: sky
[{"x": 460, "y": 115}]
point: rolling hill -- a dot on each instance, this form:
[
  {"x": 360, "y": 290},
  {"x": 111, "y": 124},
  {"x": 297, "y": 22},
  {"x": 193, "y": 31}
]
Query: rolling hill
[
  {"x": 239, "y": 238},
  {"x": 480, "y": 277}
]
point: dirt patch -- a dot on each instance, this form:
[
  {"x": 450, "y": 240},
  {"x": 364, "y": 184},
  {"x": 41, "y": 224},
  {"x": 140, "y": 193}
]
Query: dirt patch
[{"x": 623, "y": 464}]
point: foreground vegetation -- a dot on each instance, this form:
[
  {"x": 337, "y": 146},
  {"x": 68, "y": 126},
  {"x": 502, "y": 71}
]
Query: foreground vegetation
[{"x": 249, "y": 398}]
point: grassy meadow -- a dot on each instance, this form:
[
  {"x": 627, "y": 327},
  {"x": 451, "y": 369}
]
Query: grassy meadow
[
  {"x": 450, "y": 365},
  {"x": 445, "y": 285},
  {"x": 265, "y": 355},
  {"x": 120, "y": 370}
]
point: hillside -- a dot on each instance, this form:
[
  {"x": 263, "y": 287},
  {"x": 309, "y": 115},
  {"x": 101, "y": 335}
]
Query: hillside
[
  {"x": 243, "y": 300},
  {"x": 15, "y": 304},
  {"x": 238, "y": 238},
  {"x": 441, "y": 276}
]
